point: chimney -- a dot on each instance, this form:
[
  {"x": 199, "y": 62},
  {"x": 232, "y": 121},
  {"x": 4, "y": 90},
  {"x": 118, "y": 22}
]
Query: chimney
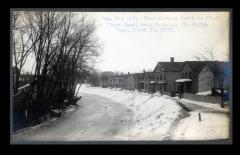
[
  {"x": 143, "y": 70},
  {"x": 128, "y": 73},
  {"x": 172, "y": 59},
  {"x": 122, "y": 73}
]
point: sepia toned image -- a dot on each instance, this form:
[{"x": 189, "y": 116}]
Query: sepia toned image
[{"x": 133, "y": 76}]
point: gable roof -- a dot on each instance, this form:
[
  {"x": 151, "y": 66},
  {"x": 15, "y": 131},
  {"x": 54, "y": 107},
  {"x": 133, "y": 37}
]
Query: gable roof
[
  {"x": 169, "y": 66},
  {"x": 217, "y": 66},
  {"x": 194, "y": 65}
]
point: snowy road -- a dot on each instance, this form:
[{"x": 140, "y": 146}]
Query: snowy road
[{"x": 97, "y": 118}]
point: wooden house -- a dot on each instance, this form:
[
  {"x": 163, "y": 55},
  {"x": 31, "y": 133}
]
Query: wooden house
[
  {"x": 168, "y": 74},
  {"x": 212, "y": 75},
  {"x": 188, "y": 76}
]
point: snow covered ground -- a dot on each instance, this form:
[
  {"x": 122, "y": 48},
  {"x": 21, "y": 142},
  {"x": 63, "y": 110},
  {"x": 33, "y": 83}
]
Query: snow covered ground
[
  {"x": 212, "y": 126},
  {"x": 115, "y": 114},
  {"x": 155, "y": 116},
  {"x": 161, "y": 118}
]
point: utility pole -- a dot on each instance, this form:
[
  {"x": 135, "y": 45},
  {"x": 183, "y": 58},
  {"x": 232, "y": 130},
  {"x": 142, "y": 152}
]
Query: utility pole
[{"x": 147, "y": 83}]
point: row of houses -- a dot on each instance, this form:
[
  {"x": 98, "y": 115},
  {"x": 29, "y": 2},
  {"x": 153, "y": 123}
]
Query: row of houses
[
  {"x": 125, "y": 81},
  {"x": 172, "y": 77}
]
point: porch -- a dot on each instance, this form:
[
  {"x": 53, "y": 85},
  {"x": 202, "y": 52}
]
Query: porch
[{"x": 182, "y": 86}]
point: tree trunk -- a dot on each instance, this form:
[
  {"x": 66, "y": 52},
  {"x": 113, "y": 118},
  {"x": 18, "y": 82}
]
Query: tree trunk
[
  {"x": 17, "y": 81},
  {"x": 222, "y": 98}
]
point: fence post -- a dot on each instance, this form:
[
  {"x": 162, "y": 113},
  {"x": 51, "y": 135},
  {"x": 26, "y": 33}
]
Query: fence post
[{"x": 199, "y": 117}]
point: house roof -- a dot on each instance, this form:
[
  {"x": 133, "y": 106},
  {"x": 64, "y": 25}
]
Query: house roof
[
  {"x": 169, "y": 66},
  {"x": 150, "y": 74},
  {"x": 194, "y": 65},
  {"x": 217, "y": 66}
]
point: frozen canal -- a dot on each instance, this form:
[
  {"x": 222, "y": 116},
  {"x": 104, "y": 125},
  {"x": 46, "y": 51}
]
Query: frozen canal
[
  {"x": 96, "y": 118},
  {"x": 113, "y": 114}
]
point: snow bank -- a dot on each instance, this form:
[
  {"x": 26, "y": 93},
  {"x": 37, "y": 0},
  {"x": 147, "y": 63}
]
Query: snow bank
[
  {"x": 161, "y": 118},
  {"x": 154, "y": 114},
  {"x": 212, "y": 126}
]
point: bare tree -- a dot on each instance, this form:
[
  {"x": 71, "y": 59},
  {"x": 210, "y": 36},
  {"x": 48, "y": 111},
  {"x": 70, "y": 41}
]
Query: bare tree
[
  {"x": 63, "y": 49},
  {"x": 216, "y": 68},
  {"x": 94, "y": 78},
  {"x": 22, "y": 43},
  {"x": 207, "y": 55},
  {"x": 219, "y": 72}
]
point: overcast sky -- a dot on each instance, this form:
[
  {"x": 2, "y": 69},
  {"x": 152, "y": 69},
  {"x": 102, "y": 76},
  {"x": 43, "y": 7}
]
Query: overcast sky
[{"x": 157, "y": 36}]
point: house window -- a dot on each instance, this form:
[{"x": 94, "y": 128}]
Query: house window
[
  {"x": 185, "y": 74},
  {"x": 190, "y": 75}
]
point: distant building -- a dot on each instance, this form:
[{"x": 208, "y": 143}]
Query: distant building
[
  {"x": 147, "y": 82},
  {"x": 117, "y": 80},
  {"x": 129, "y": 82},
  {"x": 139, "y": 81},
  {"x": 104, "y": 79},
  {"x": 172, "y": 77},
  {"x": 151, "y": 82}
]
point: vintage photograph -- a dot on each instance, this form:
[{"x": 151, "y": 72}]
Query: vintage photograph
[{"x": 95, "y": 76}]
